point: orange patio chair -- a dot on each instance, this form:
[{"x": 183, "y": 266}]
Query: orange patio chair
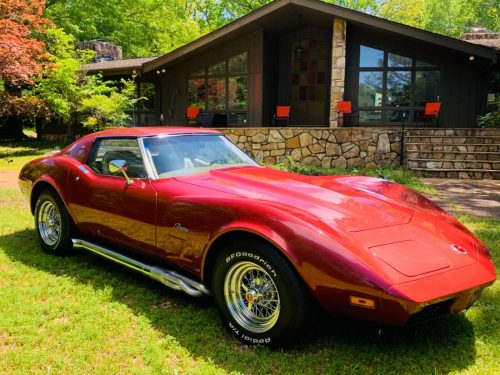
[
  {"x": 191, "y": 115},
  {"x": 282, "y": 114},
  {"x": 431, "y": 113},
  {"x": 344, "y": 109}
]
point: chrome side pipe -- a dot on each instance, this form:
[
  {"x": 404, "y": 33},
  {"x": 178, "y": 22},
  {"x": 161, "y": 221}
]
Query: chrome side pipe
[{"x": 169, "y": 278}]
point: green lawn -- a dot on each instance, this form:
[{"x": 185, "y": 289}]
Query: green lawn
[
  {"x": 13, "y": 155},
  {"x": 81, "y": 314}
]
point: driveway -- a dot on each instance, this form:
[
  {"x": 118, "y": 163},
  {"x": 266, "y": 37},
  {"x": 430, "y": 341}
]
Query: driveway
[
  {"x": 474, "y": 197},
  {"x": 8, "y": 179}
]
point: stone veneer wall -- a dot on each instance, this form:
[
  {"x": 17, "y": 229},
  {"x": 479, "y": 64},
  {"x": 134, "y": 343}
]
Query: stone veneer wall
[
  {"x": 338, "y": 69},
  {"x": 326, "y": 147}
]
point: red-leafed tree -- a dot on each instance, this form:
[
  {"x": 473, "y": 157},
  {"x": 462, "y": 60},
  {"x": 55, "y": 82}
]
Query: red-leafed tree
[{"x": 22, "y": 58}]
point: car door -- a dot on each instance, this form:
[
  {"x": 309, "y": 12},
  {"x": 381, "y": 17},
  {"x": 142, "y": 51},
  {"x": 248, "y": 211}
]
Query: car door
[{"x": 109, "y": 205}]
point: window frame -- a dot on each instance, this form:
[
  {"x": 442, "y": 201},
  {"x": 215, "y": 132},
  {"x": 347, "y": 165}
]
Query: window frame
[
  {"x": 152, "y": 168},
  {"x": 226, "y": 76},
  {"x": 412, "y": 109},
  {"x": 95, "y": 146}
]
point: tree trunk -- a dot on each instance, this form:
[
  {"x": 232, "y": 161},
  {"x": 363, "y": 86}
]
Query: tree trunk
[
  {"x": 38, "y": 127},
  {"x": 11, "y": 128}
]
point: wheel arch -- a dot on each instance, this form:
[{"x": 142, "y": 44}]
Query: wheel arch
[
  {"x": 237, "y": 234},
  {"x": 39, "y": 187}
]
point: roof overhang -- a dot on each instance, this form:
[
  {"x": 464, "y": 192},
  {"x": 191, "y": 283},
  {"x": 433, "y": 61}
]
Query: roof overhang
[
  {"x": 117, "y": 67},
  {"x": 286, "y": 14}
]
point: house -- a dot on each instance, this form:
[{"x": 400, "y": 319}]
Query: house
[{"x": 308, "y": 55}]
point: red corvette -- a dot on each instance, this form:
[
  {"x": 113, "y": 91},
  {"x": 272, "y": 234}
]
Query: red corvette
[{"x": 191, "y": 210}]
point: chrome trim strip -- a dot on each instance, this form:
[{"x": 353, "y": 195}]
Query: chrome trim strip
[
  {"x": 148, "y": 162},
  {"x": 169, "y": 278}
]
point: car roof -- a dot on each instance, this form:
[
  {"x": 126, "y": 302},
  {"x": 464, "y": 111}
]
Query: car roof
[{"x": 152, "y": 131}]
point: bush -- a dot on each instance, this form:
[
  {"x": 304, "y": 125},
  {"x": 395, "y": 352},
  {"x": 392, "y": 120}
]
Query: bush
[
  {"x": 399, "y": 175},
  {"x": 489, "y": 120}
]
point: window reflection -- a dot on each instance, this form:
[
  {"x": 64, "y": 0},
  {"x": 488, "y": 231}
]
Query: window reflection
[
  {"x": 238, "y": 64},
  {"x": 147, "y": 91},
  {"x": 218, "y": 69},
  {"x": 222, "y": 87},
  {"x": 371, "y": 57},
  {"x": 370, "y": 89},
  {"x": 238, "y": 92},
  {"x": 216, "y": 93},
  {"x": 397, "y": 61},
  {"x": 370, "y": 116},
  {"x": 196, "y": 92},
  {"x": 398, "y": 88},
  {"x": 393, "y": 87},
  {"x": 426, "y": 87}
]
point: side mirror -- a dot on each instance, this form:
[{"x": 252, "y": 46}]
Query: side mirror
[{"x": 119, "y": 165}]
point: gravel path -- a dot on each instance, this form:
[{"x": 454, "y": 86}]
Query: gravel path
[
  {"x": 474, "y": 197},
  {"x": 8, "y": 179}
]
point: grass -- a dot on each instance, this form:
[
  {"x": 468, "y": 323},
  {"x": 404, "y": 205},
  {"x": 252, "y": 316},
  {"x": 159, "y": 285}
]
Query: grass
[
  {"x": 14, "y": 154},
  {"x": 81, "y": 314},
  {"x": 399, "y": 175}
]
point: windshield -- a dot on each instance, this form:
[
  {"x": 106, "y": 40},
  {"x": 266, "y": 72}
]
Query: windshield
[{"x": 183, "y": 155}]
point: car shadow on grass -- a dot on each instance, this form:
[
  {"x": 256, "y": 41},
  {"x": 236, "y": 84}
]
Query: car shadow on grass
[{"x": 332, "y": 346}]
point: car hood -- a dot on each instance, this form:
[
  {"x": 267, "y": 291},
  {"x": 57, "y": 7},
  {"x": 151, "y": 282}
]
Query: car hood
[{"x": 347, "y": 208}]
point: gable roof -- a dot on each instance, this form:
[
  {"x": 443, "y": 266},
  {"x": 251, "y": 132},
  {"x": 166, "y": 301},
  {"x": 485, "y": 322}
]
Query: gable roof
[{"x": 282, "y": 13}]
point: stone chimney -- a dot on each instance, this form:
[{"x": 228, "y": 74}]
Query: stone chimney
[{"x": 104, "y": 51}]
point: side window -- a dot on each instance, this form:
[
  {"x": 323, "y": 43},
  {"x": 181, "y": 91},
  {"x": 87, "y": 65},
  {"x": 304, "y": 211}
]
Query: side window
[{"x": 127, "y": 149}]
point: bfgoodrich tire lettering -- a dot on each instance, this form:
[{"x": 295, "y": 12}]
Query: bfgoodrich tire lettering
[
  {"x": 259, "y": 295},
  {"x": 53, "y": 224}
]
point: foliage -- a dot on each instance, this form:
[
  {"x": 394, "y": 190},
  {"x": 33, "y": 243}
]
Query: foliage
[
  {"x": 212, "y": 14},
  {"x": 141, "y": 27},
  {"x": 153, "y": 27},
  {"x": 399, "y": 175},
  {"x": 448, "y": 17},
  {"x": 62, "y": 85},
  {"x": 108, "y": 105},
  {"x": 489, "y": 120},
  {"x": 13, "y": 155},
  {"x": 22, "y": 55}
]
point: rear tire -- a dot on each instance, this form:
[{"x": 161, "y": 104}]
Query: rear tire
[
  {"x": 53, "y": 224},
  {"x": 259, "y": 295}
]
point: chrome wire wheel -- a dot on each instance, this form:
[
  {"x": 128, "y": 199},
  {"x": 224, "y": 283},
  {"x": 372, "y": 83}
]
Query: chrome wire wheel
[
  {"x": 252, "y": 297},
  {"x": 49, "y": 223}
]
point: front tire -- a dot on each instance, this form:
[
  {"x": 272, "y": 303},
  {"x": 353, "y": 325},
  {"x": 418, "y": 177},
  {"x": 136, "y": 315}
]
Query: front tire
[
  {"x": 259, "y": 295},
  {"x": 53, "y": 224}
]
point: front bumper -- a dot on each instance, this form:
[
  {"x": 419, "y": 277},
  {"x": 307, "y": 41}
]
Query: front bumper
[{"x": 414, "y": 301}]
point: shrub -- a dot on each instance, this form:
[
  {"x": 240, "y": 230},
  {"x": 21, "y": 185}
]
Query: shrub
[{"x": 489, "y": 120}]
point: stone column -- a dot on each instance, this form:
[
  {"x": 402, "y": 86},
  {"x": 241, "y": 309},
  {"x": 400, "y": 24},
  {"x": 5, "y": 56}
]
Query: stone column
[{"x": 338, "y": 69}]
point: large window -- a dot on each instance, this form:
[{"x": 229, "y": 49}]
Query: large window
[
  {"x": 146, "y": 110},
  {"x": 222, "y": 88},
  {"x": 393, "y": 87}
]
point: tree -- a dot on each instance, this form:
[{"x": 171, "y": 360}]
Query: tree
[
  {"x": 447, "y": 17},
  {"x": 212, "y": 14},
  {"x": 22, "y": 59},
  {"x": 62, "y": 84},
  {"x": 22, "y": 56},
  {"x": 108, "y": 104},
  {"x": 141, "y": 27}
]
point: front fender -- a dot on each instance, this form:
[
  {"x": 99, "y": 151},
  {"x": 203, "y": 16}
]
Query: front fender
[{"x": 317, "y": 253}]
